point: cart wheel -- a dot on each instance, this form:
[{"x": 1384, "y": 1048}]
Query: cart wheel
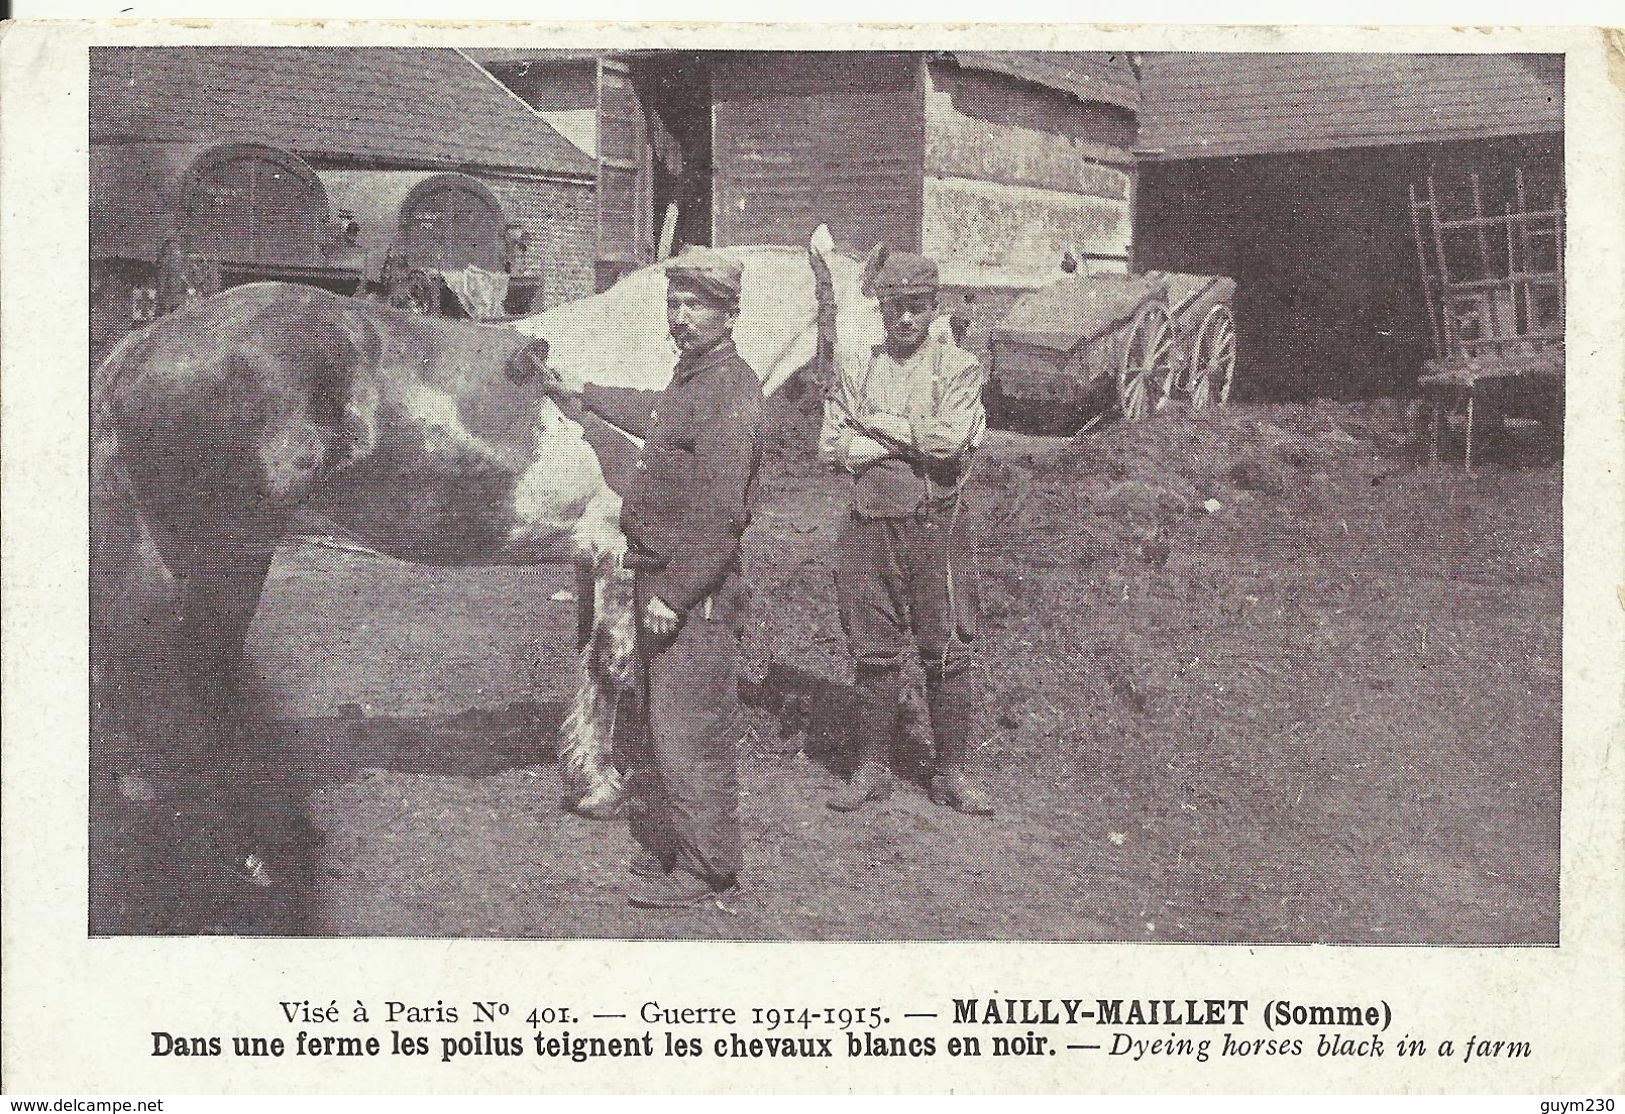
[
  {"x": 423, "y": 294},
  {"x": 1213, "y": 359},
  {"x": 1147, "y": 370}
]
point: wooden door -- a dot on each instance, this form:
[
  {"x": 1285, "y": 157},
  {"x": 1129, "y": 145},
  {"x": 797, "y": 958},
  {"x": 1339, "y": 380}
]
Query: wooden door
[
  {"x": 452, "y": 223},
  {"x": 248, "y": 207},
  {"x": 625, "y": 201}
]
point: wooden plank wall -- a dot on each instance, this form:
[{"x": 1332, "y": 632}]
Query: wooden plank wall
[
  {"x": 802, "y": 139},
  {"x": 1015, "y": 172}
]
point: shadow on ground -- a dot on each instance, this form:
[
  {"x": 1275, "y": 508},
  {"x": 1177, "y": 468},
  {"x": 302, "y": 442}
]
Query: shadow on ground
[{"x": 1256, "y": 676}]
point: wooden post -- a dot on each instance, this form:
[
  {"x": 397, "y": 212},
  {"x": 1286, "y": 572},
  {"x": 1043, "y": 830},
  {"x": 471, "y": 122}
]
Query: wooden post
[
  {"x": 1446, "y": 314},
  {"x": 1558, "y": 249},
  {"x": 668, "y": 232},
  {"x": 1491, "y": 310},
  {"x": 1514, "y": 276},
  {"x": 1427, "y": 281},
  {"x": 1525, "y": 255},
  {"x": 1438, "y": 427},
  {"x": 1469, "y": 460}
]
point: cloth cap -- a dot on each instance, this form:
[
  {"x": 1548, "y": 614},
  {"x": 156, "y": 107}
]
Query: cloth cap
[
  {"x": 707, "y": 273},
  {"x": 903, "y": 273}
]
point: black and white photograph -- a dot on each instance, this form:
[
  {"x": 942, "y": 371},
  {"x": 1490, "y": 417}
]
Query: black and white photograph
[
  {"x": 868, "y": 495},
  {"x": 841, "y": 559}
]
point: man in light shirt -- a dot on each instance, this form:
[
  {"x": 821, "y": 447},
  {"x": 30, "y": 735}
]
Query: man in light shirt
[{"x": 904, "y": 426}]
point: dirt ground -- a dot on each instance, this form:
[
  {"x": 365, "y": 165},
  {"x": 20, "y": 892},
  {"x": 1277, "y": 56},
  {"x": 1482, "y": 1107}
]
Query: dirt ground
[{"x": 1259, "y": 676}]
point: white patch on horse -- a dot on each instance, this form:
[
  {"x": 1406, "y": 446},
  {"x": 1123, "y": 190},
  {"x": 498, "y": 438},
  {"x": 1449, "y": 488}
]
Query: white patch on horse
[
  {"x": 361, "y": 416},
  {"x": 411, "y": 393},
  {"x": 292, "y": 453},
  {"x": 434, "y": 411},
  {"x": 562, "y": 494}
]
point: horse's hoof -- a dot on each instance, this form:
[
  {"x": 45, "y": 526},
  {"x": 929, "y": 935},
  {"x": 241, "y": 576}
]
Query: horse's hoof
[{"x": 605, "y": 803}]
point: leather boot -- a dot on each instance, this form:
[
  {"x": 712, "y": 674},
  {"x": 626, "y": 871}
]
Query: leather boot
[
  {"x": 646, "y": 864},
  {"x": 679, "y": 890},
  {"x": 878, "y": 692},
  {"x": 954, "y": 719},
  {"x": 960, "y": 793},
  {"x": 869, "y": 782}
]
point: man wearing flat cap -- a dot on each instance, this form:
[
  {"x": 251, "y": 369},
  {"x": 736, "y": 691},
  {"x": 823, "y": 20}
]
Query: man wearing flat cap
[
  {"x": 904, "y": 426},
  {"x": 687, "y": 503}
]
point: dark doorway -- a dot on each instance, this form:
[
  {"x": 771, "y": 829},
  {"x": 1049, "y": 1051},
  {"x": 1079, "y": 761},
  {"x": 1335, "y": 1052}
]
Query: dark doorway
[
  {"x": 1330, "y": 301},
  {"x": 676, "y": 89}
]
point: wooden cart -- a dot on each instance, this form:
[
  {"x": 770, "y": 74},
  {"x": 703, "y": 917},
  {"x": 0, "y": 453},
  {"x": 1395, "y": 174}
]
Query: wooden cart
[
  {"x": 1493, "y": 284},
  {"x": 173, "y": 222},
  {"x": 1091, "y": 344}
]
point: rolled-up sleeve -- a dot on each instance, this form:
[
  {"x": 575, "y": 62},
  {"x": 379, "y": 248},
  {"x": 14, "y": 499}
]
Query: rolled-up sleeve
[{"x": 959, "y": 420}]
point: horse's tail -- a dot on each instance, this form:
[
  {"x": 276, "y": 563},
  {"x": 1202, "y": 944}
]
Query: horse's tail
[{"x": 610, "y": 676}]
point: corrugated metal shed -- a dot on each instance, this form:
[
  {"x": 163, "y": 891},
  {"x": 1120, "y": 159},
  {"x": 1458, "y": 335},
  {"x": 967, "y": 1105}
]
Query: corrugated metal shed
[
  {"x": 1212, "y": 105},
  {"x": 1087, "y": 75},
  {"x": 429, "y": 108}
]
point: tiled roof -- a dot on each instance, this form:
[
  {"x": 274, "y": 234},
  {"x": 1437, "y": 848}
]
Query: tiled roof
[
  {"x": 378, "y": 106},
  {"x": 1211, "y": 105},
  {"x": 1087, "y": 75}
]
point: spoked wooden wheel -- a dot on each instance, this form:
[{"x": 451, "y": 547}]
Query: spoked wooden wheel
[
  {"x": 1147, "y": 371},
  {"x": 423, "y": 294},
  {"x": 1213, "y": 359}
]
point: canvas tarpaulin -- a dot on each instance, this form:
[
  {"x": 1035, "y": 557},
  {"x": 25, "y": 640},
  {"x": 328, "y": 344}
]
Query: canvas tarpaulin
[{"x": 480, "y": 292}]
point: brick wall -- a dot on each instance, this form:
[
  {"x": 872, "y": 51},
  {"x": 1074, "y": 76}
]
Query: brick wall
[{"x": 560, "y": 218}]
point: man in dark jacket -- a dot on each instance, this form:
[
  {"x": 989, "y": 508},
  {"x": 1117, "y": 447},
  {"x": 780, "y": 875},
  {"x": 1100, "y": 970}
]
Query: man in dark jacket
[{"x": 683, "y": 511}]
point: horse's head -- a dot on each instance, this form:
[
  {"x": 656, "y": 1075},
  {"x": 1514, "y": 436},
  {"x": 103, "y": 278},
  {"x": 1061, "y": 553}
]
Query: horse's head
[
  {"x": 849, "y": 321},
  {"x": 795, "y": 302},
  {"x": 619, "y": 337}
]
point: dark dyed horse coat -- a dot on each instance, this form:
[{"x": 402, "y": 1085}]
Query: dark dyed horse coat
[{"x": 223, "y": 428}]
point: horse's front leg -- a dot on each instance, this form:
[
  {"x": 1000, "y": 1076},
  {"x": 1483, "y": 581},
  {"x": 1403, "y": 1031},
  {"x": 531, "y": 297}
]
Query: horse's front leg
[
  {"x": 606, "y": 688},
  {"x": 564, "y": 498}
]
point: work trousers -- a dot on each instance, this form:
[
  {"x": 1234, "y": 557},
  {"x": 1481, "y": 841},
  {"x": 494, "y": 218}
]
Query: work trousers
[
  {"x": 909, "y": 579},
  {"x": 683, "y": 769}
]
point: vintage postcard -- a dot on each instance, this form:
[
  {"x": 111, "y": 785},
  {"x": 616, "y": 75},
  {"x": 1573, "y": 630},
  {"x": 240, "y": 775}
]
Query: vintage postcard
[{"x": 613, "y": 559}]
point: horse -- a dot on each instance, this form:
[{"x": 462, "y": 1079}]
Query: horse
[{"x": 223, "y": 429}]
